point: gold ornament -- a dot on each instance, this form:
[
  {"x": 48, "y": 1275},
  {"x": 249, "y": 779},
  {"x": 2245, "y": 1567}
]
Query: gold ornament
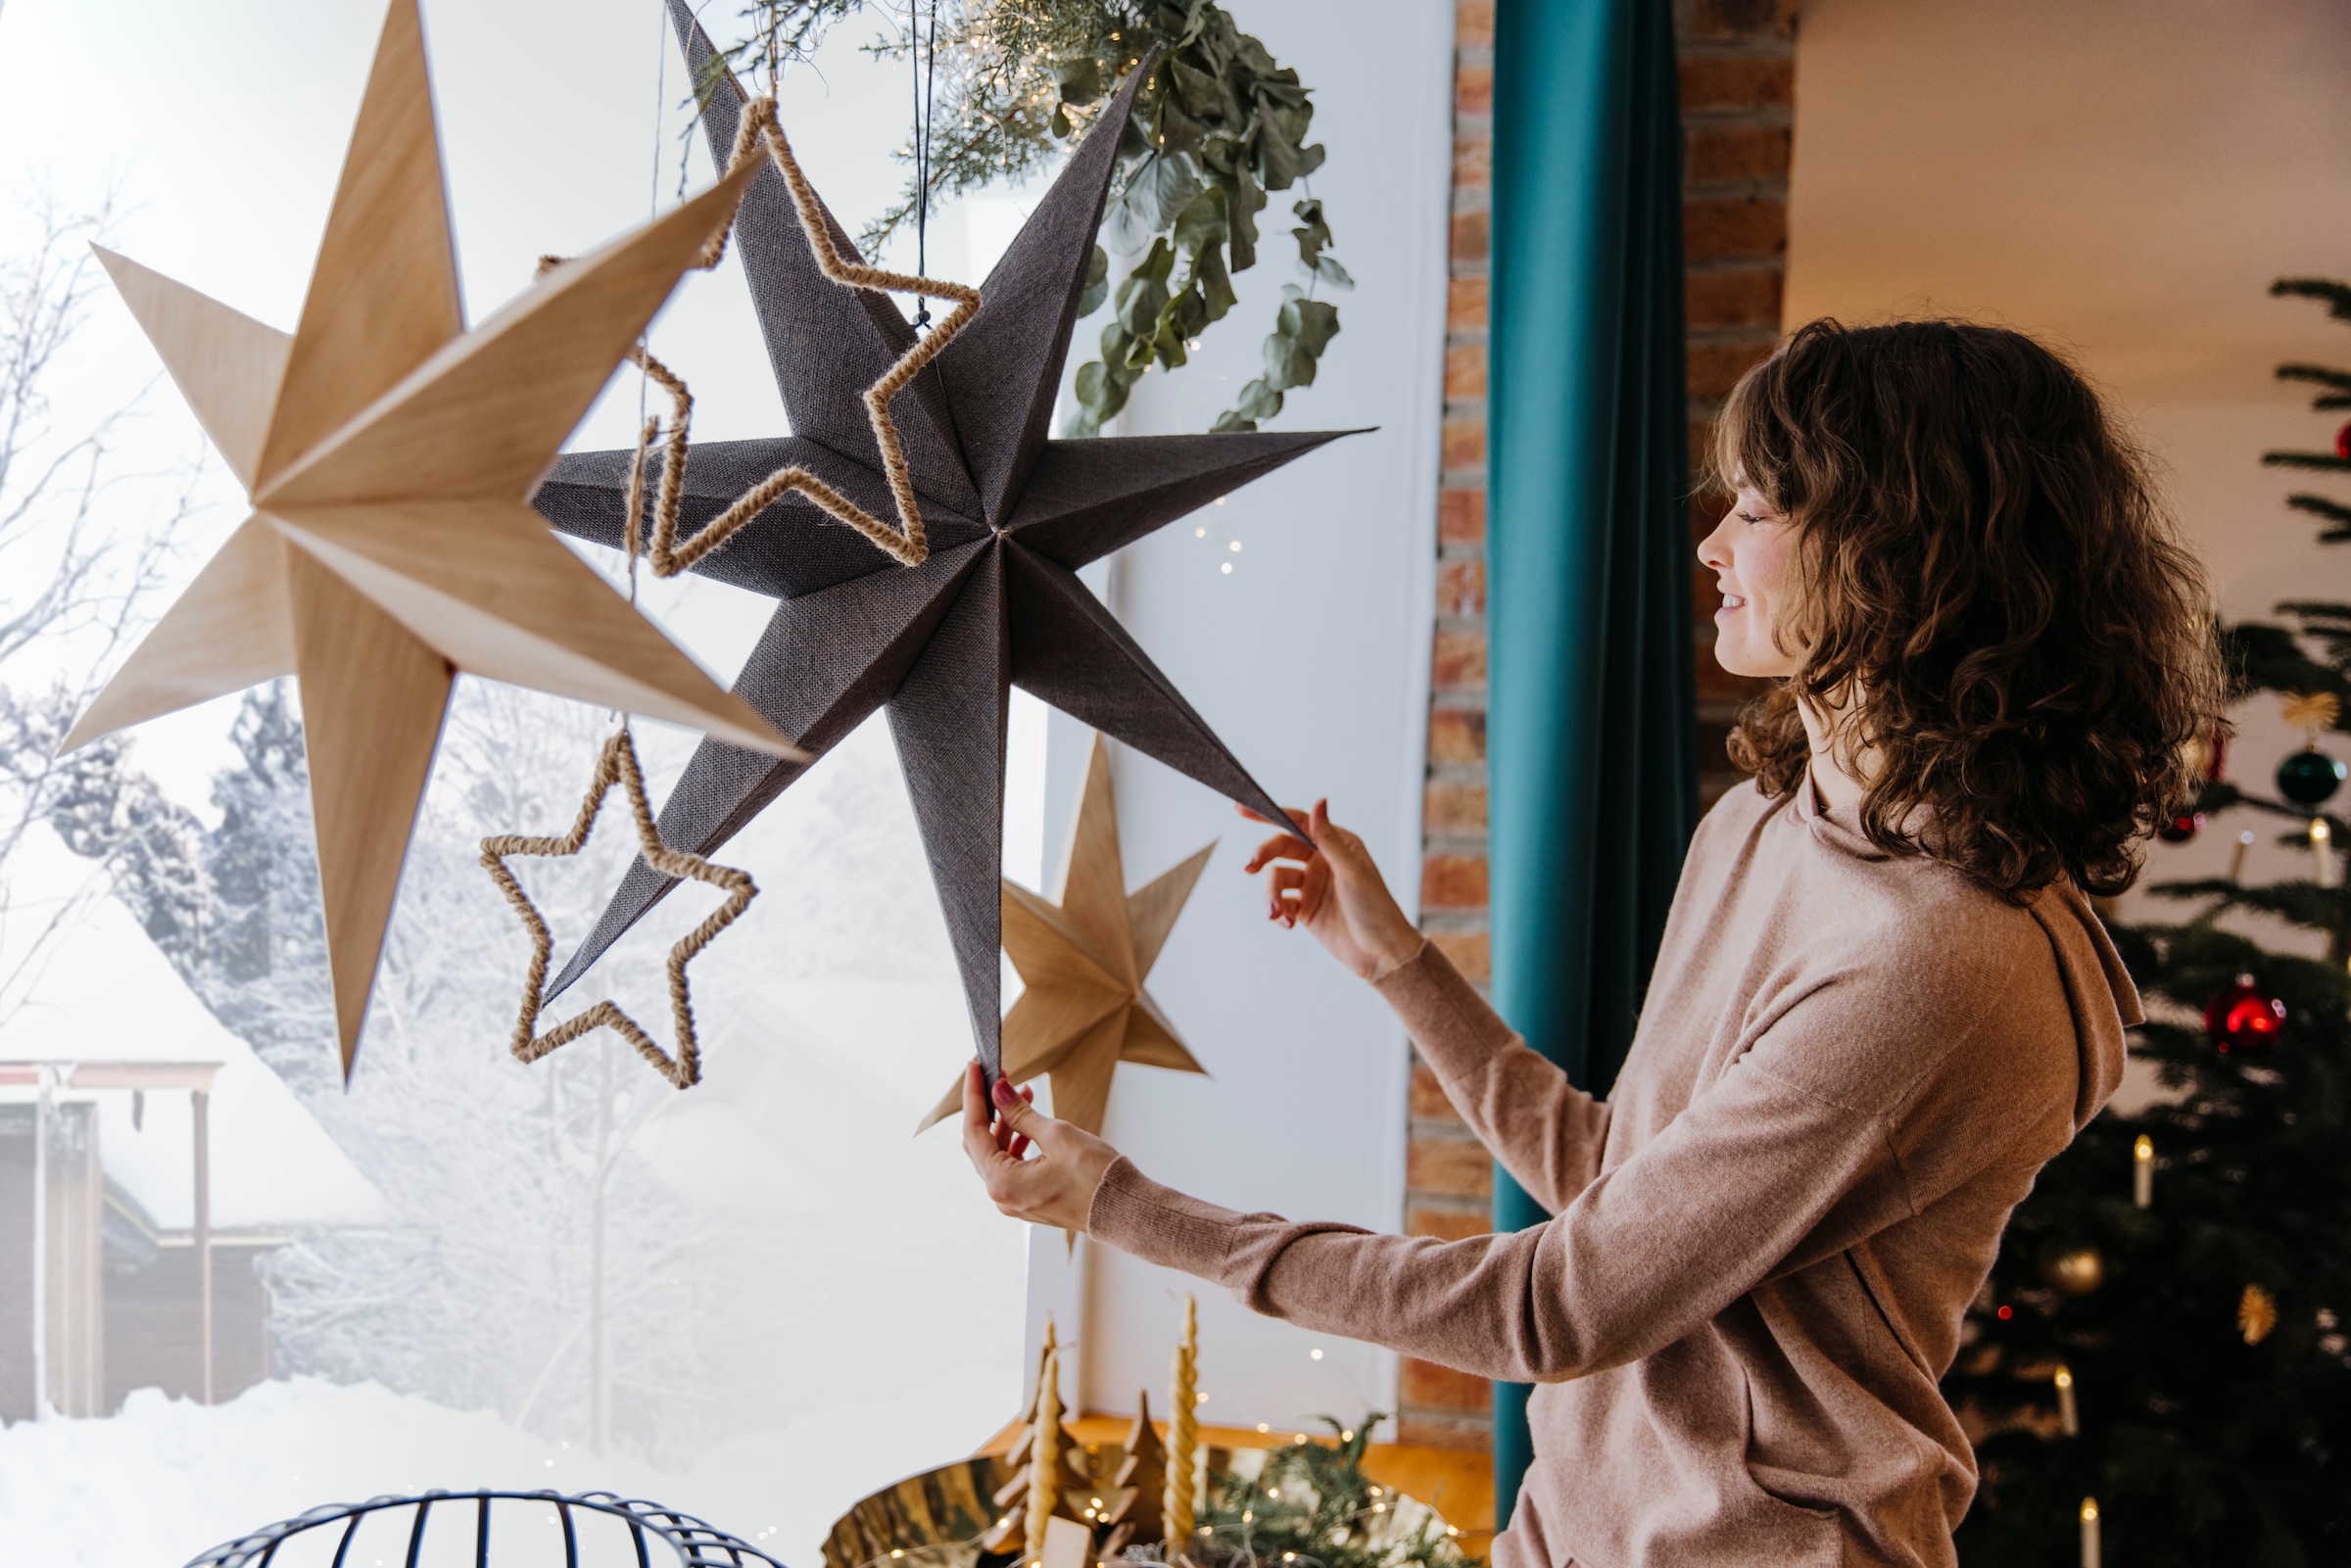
[
  {"x": 2311, "y": 712},
  {"x": 2075, "y": 1271},
  {"x": 2256, "y": 1315},
  {"x": 389, "y": 454},
  {"x": 616, "y": 764}
]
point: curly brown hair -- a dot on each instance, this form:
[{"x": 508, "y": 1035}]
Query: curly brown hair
[{"x": 1988, "y": 594}]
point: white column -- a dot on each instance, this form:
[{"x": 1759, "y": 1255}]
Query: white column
[{"x": 201, "y": 1101}]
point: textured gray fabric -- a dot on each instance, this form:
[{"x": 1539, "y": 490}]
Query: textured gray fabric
[
  {"x": 1086, "y": 499},
  {"x": 938, "y": 645},
  {"x": 948, "y": 721},
  {"x": 826, "y": 342},
  {"x": 792, "y": 548},
  {"x": 1004, "y": 370}
]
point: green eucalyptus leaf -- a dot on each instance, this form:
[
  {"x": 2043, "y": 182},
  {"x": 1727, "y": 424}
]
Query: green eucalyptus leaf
[
  {"x": 1093, "y": 384},
  {"x": 1259, "y": 400},
  {"x": 1175, "y": 130},
  {"x": 1252, "y": 56},
  {"x": 1231, "y": 422},
  {"x": 1145, "y": 298},
  {"x": 1134, "y": 140},
  {"x": 1311, "y": 234},
  {"x": 1079, "y": 79},
  {"x": 1327, "y": 269},
  {"x": 1310, "y": 158},
  {"x": 1288, "y": 363},
  {"x": 1223, "y": 155},
  {"x": 1201, "y": 93},
  {"x": 1097, "y": 283},
  {"x": 1201, "y": 222},
  {"x": 1169, "y": 342},
  {"x": 1215, "y": 284},
  {"x": 1317, "y": 324},
  {"x": 1276, "y": 154},
  {"x": 1245, "y": 200},
  {"x": 1162, "y": 185},
  {"x": 1186, "y": 313},
  {"x": 1059, "y": 124}
]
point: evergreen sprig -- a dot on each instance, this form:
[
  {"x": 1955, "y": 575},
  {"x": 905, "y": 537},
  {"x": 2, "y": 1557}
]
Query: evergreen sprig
[
  {"x": 1218, "y": 126},
  {"x": 1312, "y": 1507}
]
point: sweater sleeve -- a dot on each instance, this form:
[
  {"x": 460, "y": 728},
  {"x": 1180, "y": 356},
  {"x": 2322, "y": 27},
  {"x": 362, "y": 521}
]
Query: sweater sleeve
[
  {"x": 1760, "y": 1167},
  {"x": 1547, "y": 1133}
]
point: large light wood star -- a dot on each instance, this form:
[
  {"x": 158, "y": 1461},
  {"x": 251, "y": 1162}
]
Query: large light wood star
[
  {"x": 390, "y": 456},
  {"x": 1082, "y": 958}
]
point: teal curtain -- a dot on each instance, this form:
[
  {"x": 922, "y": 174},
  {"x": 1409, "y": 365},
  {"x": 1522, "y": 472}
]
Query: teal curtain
[{"x": 1589, "y": 744}]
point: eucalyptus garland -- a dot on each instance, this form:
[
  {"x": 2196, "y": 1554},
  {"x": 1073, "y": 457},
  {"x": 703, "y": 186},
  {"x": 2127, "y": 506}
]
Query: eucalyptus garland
[{"x": 1216, "y": 128}]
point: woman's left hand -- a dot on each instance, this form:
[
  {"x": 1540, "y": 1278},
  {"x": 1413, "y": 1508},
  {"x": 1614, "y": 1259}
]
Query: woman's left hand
[{"x": 1055, "y": 1185}]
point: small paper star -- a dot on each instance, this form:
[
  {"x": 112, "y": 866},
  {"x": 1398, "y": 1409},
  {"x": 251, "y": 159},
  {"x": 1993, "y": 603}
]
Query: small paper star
[{"x": 617, "y": 763}]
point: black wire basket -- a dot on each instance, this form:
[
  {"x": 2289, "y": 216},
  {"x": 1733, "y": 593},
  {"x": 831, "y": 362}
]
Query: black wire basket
[{"x": 590, "y": 1530}]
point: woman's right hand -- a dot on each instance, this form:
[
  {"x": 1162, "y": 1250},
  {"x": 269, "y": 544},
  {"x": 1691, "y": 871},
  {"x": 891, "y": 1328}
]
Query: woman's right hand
[{"x": 1330, "y": 887}]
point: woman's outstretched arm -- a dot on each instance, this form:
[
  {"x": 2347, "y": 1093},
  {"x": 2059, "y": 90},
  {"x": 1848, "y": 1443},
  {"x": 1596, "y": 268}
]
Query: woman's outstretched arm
[
  {"x": 1546, "y": 1132},
  {"x": 1863, "y": 1104}
]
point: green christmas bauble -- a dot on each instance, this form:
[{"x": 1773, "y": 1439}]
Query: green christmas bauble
[{"x": 2308, "y": 777}]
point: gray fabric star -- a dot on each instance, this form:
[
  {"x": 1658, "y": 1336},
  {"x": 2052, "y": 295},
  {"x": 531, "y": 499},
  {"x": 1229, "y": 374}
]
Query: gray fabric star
[{"x": 1011, "y": 516}]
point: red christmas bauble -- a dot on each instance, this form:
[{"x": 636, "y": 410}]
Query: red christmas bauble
[
  {"x": 2342, "y": 443},
  {"x": 2244, "y": 1018},
  {"x": 2180, "y": 829}
]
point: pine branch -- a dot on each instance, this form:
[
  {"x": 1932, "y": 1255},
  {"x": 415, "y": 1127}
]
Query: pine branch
[
  {"x": 2322, "y": 461},
  {"x": 2336, "y": 295},
  {"x": 2320, "y": 375},
  {"x": 2333, "y": 512}
]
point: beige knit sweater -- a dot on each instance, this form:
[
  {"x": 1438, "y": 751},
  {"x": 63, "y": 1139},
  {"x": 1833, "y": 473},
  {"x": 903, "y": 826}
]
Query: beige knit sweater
[{"x": 1847, "y": 1072}]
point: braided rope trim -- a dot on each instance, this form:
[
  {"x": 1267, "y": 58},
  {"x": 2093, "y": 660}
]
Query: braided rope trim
[
  {"x": 616, "y": 762},
  {"x": 907, "y": 543}
]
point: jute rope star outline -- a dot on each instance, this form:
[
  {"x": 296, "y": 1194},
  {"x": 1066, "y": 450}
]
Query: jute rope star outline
[
  {"x": 906, "y": 544},
  {"x": 617, "y": 761}
]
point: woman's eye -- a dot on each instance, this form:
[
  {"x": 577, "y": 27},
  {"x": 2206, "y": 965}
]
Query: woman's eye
[{"x": 1750, "y": 517}]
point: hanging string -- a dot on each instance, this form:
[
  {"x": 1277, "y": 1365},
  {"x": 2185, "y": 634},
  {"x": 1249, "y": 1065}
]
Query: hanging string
[{"x": 923, "y": 73}]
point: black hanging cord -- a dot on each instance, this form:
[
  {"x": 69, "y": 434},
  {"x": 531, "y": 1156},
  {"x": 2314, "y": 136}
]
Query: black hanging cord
[{"x": 925, "y": 97}]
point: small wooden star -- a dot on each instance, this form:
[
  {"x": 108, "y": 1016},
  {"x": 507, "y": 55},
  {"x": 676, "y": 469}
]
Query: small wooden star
[
  {"x": 1083, "y": 960},
  {"x": 618, "y": 762}
]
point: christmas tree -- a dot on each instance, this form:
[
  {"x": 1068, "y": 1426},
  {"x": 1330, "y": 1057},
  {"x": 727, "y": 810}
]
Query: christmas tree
[{"x": 2157, "y": 1371}]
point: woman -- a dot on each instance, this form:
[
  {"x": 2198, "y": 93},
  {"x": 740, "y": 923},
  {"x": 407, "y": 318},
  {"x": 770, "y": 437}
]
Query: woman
[{"x": 1881, "y": 1004}]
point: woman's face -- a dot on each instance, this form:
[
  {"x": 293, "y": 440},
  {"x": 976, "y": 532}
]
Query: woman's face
[{"x": 1751, "y": 553}]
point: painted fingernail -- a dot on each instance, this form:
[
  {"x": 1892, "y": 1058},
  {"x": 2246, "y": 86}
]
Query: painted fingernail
[{"x": 1004, "y": 1095}]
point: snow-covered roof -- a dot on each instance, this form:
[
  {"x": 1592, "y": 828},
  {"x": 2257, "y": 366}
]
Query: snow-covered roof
[{"x": 79, "y": 981}]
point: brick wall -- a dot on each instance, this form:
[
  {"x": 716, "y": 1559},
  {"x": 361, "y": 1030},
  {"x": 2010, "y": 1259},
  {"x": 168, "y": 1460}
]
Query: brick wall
[{"x": 1736, "y": 78}]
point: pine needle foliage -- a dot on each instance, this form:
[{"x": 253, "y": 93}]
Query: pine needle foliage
[
  {"x": 1217, "y": 126},
  {"x": 2208, "y": 1434},
  {"x": 1312, "y": 1507}
]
